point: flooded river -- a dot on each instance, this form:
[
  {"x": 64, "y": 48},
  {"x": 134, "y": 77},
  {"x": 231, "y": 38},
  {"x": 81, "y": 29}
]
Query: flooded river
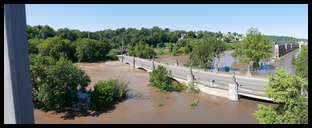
[
  {"x": 227, "y": 60},
  {"x": 146, "y": 104}
]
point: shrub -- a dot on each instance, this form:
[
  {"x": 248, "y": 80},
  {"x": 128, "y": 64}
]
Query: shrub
[
  {"x": 179, "y": 86},
  {"x": 160, "y": 78},
  {"x": 161, "y": 51},
  {"x": 184, "y": 50},
  {"x": 107, "y": 93},
  {"x": 194, "y": 103},
  {"x": 55, "y": 83},
  {"x": 301, "y": 63},
  {"x": 285, "y": 90},
  {"x": 113, "y": 54},
  {"x": 89, "y": 50}
]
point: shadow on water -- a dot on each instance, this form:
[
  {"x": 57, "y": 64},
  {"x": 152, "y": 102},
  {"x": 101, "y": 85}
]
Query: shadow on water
[
  {"x": 136, "y": 96},
  {"x": 84, "y": 112},
  {"x": 83, "y": 109}
]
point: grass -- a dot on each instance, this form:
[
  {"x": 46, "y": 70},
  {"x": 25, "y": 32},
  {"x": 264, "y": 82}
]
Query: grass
[
  {"x": 179, "y": 86},
  {"x": 160, "y": 105},
  {"x": 194, "y": 103},
  {"x": 194, "y": 90},
  {"x": 162, "y": 51}
]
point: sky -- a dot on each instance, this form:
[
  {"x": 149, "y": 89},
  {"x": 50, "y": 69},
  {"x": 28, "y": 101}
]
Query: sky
[{"x": 276, "y": 19}]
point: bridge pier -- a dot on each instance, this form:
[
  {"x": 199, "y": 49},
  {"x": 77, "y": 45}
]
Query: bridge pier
[{"x": 233, "y": 94}]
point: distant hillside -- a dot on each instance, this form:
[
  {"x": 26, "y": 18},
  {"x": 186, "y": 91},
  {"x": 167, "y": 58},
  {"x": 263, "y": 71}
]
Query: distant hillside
[{"x": 285, "y": 39}]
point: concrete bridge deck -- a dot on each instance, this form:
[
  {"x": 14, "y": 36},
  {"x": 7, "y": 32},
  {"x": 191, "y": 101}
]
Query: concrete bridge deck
[{"x": 217, "y": 84}]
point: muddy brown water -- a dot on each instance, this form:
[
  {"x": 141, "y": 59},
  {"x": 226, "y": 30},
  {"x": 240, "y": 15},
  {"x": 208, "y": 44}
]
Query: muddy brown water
[{"x": 147, "y": 105}]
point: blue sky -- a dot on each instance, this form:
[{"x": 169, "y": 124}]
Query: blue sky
[{"x": 277, "y": 19}]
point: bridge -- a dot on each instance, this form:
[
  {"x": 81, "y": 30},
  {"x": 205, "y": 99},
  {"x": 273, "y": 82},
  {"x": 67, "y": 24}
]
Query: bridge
[
  {"x": 281, "y": 49},
  {"x": 230, "y": 86}
]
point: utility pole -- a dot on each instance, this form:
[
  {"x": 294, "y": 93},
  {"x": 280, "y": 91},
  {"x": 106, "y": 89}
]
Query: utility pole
[
  {"x": 192, "y": 76},
  {"x": 122, "y": 48}
]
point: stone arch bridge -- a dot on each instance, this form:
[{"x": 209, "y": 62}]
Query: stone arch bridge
[{"x": 230, "y": 86}]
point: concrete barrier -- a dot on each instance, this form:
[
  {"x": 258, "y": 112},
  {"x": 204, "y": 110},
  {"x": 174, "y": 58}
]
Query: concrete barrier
[{"x": 232, "y": 92}]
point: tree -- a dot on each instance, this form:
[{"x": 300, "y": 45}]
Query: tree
[
  {"x": 88, "y": 50},
  {"x": 33, "y": 44},
  {"x": 107, "y": 93},
  {"x": 254, "y": 48},
  {"x": 142, "y": 50},
  {"x": 301, "y": 63},
  {"x": 160, "y": 78},
  {"x": 112, "y": 54},
  {"x": 57, "y": 47},
  {"x": 185, "y": 45},
  {"x": 285, "y": 90},
  {"x": 55, "y": 82},
  {"x": 68, "y": 34},
  {"x": 205, "y": 51},
  {"x": 39, "y": 31}
]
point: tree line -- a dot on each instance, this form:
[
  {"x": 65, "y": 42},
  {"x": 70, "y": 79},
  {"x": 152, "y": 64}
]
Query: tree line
[
  {"x": 284, "y": 39},
  {"x": 154, "y": 36}
]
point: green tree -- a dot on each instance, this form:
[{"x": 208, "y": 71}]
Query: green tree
[
  {"x": 68, "y": 34},
  {"x": 107, "y": 93},
  {"x": 33, "y": 44},
  {"x": 39, "y": 31},
  {"x": 160, "y": 78},
  {"x": 55, "y": 83},
  {"x": 57, "y": 47},
  {"x": 301, "y": 63},
  {"x": 142, "y": 50},
  {"x": 254, "y": 48},
  {"x": 285, "y": 90},
  {"x": 88, "y": 50},
  {"x": 112, "y": 54},
  {"x": 186, "y": 45},
  {"x": 205, "y": 51}
]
